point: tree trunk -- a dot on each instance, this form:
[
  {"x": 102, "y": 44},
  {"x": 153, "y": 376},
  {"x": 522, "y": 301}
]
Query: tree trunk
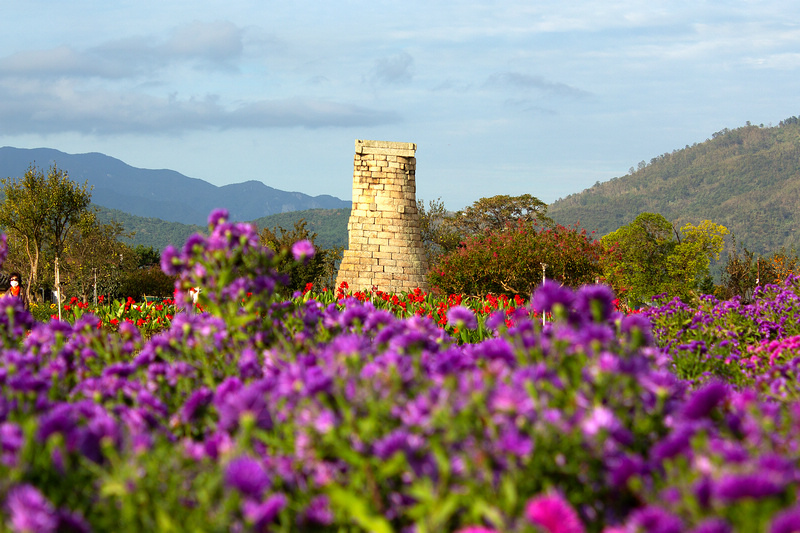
[
  {"x": 58, "y": 287},
  {"x": 33, "y": 258}
]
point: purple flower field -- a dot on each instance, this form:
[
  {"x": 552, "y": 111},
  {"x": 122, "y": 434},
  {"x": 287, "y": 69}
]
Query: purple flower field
[{"x": 273, "y": 415}]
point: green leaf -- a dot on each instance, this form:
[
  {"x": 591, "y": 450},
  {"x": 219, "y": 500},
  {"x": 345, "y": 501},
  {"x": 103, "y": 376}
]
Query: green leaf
[{"x": 358, "y": 510}]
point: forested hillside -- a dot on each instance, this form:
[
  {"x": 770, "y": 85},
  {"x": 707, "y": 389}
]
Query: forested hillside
[
  {"x": 330, "y": 225},
  {"x": 148, "y": 231},
  {"x": 747, "y": 179}
]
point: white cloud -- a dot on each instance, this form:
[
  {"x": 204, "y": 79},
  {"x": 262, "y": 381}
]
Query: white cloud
[
  {"x": 61, "y": 107},
  {"x": 518, "y": 80},
  {"x": 216, "y": 45},
  {"x": 394, "y": 69}
]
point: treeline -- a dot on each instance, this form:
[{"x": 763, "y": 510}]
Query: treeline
[
  {"x": 66, "y": 247},
  {"x": 747, "y": 179},
  {"x": 56, "y": 241},
  {"x": 509, "y": 244}
]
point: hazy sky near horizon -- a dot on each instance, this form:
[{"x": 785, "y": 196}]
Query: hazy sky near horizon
[{"x": 501, "y": 97}]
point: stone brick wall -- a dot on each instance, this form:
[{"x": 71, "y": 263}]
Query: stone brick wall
[{"x": 385, "y": 246}]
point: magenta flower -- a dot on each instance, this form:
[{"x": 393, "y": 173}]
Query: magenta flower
[
  {"x": 261, "y": 514},
  {"x": 303, "y": 251},
  {"x": 476, "y": 529},
  {"x": 11, "y": 440},
  {"x": 553, "y": 513},
  {"x": 30, "y": 510},
  {"x": 319, "y": 511},
  {"x": 246, "y": 475},
  {"x": 217, "y": 217},
  {"x": 786, "y": 521}
]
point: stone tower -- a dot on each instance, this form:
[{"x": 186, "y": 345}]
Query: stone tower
[{"x": 385, "y": 245}]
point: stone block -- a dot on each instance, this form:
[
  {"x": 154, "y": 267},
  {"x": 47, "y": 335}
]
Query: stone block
[{"x": 365, "y": 147}]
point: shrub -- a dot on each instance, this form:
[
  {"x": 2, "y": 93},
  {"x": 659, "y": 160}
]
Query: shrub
[{"x": 510, "y": 261}]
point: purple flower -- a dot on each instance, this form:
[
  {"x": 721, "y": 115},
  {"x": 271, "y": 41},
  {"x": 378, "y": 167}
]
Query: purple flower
[
  {"x": 460, "y": 316},
  {"x": 193, "y": 241},
  {"x": 476, "y": 529},
  {"x": 217, "y": 217},
  {"x": 673, "y": 444},
  {"x": 516, "y": 443},
  {"x": 495, "y": 349},
  {"x": 624, "y": 468},
  {"x": 303, "y": 251},
  {"x": 246, "y": 475},
  {"x": 703, "y": 400},
  {"x": 734, "y": 487},
  {"x": 261, "y": 514},
  {"x": 655, "y": 520},
  {"x": 15, "y": 320},
  {"x": 703, "y": 489},
  {"x": 11, "y": 440},
  {"x": 395, "y": 441},
  {"x": 595, "y": 302},
  {"x": 319, "y": 511},
  {"x": 168, "y": 259},
  {"x": 249, "y": 366},
  {"x": 72, "y": 523},
  {"x": 553, "y": 513},
  {"x": 198, "y": 399},
  {"x": 550, "y": 294},
  {"x": 637, "y": 324},
  {"x": 787, "y": 521},
  {"x": 30, "y": 511},
  {"x": 246, "y": 400}
]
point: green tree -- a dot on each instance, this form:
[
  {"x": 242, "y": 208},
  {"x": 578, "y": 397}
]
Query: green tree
[
  {"x": 438, "y": 234},
  {"x": 496, "y": 212},
  {"x": 739, "y": 275},
  {"x": 443, "y": 231},
  {"x": 92, "y": 257},
  {"x": 281, "y": 240},
  {"x": 653, "y": 257},
  {"x": 39, "y": 209},
  {"x": 147, "y": 256}
]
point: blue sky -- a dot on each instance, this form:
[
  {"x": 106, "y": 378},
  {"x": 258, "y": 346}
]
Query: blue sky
[{"x": 508, "y": 97}]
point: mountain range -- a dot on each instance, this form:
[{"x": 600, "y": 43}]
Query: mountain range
[
  {"x": 163, "y": 194},
  {"x": 747, "y": 179}
]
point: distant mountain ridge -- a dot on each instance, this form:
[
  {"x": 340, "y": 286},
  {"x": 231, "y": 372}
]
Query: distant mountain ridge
[
  {"x": 329, "y": 225},
  {"x": 162, "y": 194},
  {"x": 747, "y": 179}
]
